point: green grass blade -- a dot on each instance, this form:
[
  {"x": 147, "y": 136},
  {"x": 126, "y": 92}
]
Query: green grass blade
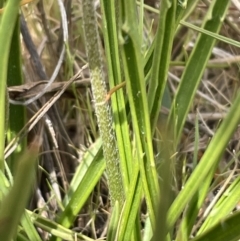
[
  {"x": 183, "y": 13},
  {"x": 131, "y": 207},
  {"x": 12, "y": 207},
  {"x": 115, "y": 78},
  {"x": 226, "y": 230},
  {"x": 180, "y": 14},
  {"x": 94, "y": 154},
  {"x": 133, "y": 66},
  {"x": 113, "y": 223},
  {"x": 212, "y": 34},
  {"x": 223, "y": 207},
  {"x": 90, "y": 171},
  {"x": 29, "y": 228},
  {"x": 55, "y": 229},
  {"x": 196, "y": 65},
  {"x": 16, "y": 112},
  {"x": 21, "y": 237},
  {"x": 166, "y": 182},
  {"x": 7, "y": 25},
  {"x": 4, "y": 186},
  {"x": 182, "y": 110},
  {"x": 161, "y": 58},
  {"x": 208, "y": 162},
  {"x": 193, "y": 207}
]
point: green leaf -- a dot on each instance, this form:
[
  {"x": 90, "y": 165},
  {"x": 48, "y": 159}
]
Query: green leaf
[
  {"x": 131, "y": 206},
  {"x": 55, "y": 229},
  {"x": 16, "y": 112},
  {"x": 7, "y": 25},
  {"x": 110, "y": 23},
  {"x": 12, "y": 206},
  {"x": 200, "y": 179},
  {"x": 113, "y": 223},
  {"x": 161, "y": 58},
  {"x": 196, "y": 65},
  {"x": 226, "y": 230},
  {"x": 87, "y": 176},
  {"x": 223, "y": 207},
  {"x": 208, "y": 162},
  {"x": 29, "y": 227},
  {"x": 133, "y": 63}
]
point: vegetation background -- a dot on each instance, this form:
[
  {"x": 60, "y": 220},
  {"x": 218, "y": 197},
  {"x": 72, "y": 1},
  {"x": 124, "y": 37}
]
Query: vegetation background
[{"x": 119, "y": 120}]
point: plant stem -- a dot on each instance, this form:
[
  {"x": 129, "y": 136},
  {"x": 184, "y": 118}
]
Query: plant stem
[
  {"x": 102, "y": 108},
  {"x": 7, "y": 25}
]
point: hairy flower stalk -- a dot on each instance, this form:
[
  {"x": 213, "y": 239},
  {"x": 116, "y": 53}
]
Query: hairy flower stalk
[{"x": 102, "y": 108}]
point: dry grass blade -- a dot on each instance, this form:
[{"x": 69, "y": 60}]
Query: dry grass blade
[
  {"x": 29, "y": 90},
  {"x": 34, "y": 120}
]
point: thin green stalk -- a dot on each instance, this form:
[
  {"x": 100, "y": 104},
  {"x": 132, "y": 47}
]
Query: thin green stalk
[
  {"x": 16, "y": 112},
  {"x": 14, "y": 203},
  {"x": 129, "y": 164},
  {"x": 102, "y": 108},
  {"x": 133, "y": 62},
  {"x": 191, "y": 77},
  {"x": 161, "y": 58},
  {"x": 6, "y": 31},
  {"x": 196, "y": 65},
  {"x": 113, "y": 58}
]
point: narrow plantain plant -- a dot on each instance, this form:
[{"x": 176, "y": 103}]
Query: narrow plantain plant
[{"x": 142, "y": 128}]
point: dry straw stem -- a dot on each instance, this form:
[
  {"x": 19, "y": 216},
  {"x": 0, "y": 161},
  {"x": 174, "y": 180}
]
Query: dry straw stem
[
  {"x": 29, "y": 90},
  {"x": 34, "y": 120},
  {"x": 103, "y": 113}
]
